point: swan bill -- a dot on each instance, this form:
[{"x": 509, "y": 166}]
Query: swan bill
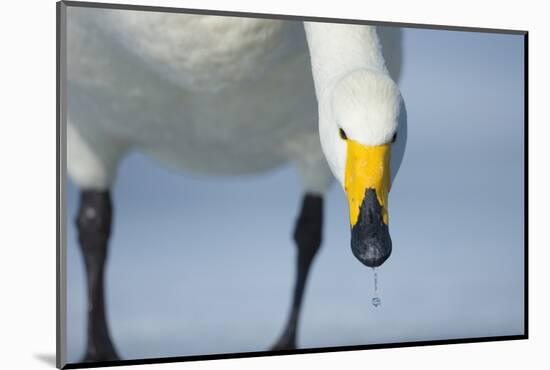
[
  {"x": 367, "y": 186},
  {"x": 370, "y": 237}
]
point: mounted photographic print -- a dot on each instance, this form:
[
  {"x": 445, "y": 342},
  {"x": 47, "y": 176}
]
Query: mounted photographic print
[{"x": 235, "y": 184}]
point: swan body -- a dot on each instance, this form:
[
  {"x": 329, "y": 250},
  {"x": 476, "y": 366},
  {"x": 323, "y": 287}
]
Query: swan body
[{"x": 242, "y": 103}]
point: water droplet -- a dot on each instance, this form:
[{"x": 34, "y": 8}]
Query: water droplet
[
  {"x": 376, "y": 301},
  {"x": 375, "y": 281}
]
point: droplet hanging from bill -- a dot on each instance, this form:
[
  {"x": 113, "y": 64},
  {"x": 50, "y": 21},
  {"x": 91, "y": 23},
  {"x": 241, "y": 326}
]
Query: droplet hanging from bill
[{"x": 376, "y": 301}]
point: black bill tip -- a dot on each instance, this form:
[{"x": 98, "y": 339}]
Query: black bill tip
[{"x": 370, "y": 237}]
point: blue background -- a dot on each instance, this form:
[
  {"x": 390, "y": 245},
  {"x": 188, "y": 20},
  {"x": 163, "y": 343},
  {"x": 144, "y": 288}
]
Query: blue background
[{"x": 177, "y": 288}]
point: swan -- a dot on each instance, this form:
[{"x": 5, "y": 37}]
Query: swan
[{"x": 230, "y": 95}]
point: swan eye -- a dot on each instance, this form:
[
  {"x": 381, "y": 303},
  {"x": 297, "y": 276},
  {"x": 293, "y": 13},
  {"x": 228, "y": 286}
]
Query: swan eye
[
  {"x": 394, "y": 138},
  {"x": 342, "y": 133}
]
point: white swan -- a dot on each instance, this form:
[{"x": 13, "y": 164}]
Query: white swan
[{"x": 231, "y": 95}]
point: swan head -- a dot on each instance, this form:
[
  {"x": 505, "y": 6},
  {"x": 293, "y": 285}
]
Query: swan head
[{"x": 358, "y": 127}]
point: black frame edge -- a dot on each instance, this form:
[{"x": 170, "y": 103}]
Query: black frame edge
[
  {"x": 61, "y": 312},
  {"x": 526, "y": 182},
  {"x": 58, "y": 363}
]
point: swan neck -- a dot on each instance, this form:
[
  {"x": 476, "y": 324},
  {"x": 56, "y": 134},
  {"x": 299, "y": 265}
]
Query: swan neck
[{"x": 337, "y": 49}]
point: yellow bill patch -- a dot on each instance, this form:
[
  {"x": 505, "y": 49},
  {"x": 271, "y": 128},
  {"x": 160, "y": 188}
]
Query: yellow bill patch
[{"x": 367, "y": 167}]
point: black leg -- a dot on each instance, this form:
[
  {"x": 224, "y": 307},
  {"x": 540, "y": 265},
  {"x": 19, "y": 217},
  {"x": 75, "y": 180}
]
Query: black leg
[
  {"x": 94, "y": 227},
  {"x": 307, "y": 236}
]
